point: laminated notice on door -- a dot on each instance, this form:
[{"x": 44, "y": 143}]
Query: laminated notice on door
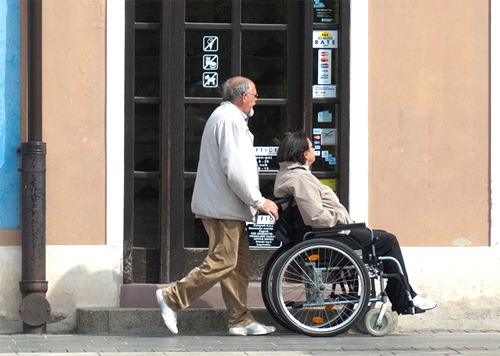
[
  {"x": 266, "y": 158},
  {"x": 260, "y": 233}
]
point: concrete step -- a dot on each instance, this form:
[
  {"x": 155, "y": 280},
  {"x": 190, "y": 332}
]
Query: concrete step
[
  {"x": 139, "y": 313},
  {"x": 148, "y": 321}
]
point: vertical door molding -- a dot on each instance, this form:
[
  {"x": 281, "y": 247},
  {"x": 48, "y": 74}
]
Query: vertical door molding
[
  {"x": 115, "y": 121},
  {"x": 358, "y": 107},
  {"x": 128, "y": 159}
]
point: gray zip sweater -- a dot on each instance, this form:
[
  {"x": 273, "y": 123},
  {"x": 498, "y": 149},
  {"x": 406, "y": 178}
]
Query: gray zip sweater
[{"x": 227, "y": 183}]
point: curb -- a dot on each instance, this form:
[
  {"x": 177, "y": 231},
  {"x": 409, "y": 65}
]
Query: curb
[{"x": 148, "y": 321}]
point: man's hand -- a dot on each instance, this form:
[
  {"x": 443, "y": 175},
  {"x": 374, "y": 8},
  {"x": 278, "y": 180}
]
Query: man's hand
[{"x": 270, "y": 208}]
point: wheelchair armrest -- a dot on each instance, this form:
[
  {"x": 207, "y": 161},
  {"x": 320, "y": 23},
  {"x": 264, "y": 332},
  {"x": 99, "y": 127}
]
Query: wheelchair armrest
[
  {"x": 340, "y": 227},
  {"x": 350, "y": 226}
]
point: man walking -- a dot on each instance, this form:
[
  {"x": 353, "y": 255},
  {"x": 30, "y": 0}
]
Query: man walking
[{"x": 226, "y": 195}]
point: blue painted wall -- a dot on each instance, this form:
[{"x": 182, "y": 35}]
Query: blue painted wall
[{"x": 10, "y": 108}]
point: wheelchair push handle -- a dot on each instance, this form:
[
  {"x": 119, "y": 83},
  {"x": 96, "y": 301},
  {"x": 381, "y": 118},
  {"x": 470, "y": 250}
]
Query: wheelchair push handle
[{"x": 283, "y": 200}]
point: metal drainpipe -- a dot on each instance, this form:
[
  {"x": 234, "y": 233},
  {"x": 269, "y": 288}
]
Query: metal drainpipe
[{"x": 34, "y": 308}]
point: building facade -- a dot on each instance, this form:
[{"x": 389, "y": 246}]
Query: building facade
[{"x": 398, "y": 97}]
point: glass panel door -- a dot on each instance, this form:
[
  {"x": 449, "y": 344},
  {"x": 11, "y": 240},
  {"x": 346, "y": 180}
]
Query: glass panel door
[
  {"x": 142, "y": 243},
  {"x": 261, "y": 55}
]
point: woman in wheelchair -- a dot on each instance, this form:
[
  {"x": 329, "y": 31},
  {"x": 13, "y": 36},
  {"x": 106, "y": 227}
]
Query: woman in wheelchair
[{"x": 320, "y": 207}]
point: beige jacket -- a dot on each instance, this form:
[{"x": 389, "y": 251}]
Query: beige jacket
[{"x": 319, "y": 206}]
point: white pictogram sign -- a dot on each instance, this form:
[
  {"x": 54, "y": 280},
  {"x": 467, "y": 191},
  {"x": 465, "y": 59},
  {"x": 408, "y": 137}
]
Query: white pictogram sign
[
  {"x": 210, "y": 62},
  {"x": 210, "y": 80},
  {"x": 210, "y": 43}
]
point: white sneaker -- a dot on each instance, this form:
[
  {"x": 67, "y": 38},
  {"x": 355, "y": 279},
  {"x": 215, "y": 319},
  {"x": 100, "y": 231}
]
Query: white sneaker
[
  {"x": 423, "y": 303},
  {"x": 169, "y": 316},
  {"x": 253, "y": 329}
]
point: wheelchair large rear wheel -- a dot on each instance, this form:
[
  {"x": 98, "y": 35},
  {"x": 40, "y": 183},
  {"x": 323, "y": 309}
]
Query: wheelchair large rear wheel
[
  {"x": 266, "y": 284},
  {"x": 320, "y": 288}
]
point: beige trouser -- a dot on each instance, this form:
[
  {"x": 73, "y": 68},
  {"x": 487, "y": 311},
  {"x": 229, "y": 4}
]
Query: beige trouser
[{"x": 227, "y": 262}]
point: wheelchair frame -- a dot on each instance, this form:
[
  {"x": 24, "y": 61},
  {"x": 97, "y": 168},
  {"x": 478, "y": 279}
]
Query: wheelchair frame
[{"x": 321, "y": 287}]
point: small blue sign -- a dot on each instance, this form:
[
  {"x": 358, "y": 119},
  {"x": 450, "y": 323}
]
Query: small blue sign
[{"x": 332, "y": 160}]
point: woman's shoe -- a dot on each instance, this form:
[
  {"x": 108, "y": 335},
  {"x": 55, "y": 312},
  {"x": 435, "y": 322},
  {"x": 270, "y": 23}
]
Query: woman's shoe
[{"x": 423, "y": 303}]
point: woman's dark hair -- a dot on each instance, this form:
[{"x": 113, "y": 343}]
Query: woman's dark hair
[{"x": 292, "y": 147}]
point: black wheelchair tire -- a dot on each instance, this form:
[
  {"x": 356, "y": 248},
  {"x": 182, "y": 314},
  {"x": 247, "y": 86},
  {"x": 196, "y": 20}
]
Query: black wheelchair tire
[{"x": 266, "y": 285}]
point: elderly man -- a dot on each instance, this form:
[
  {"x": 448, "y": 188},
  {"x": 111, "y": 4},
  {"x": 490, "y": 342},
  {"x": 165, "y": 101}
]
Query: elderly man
[{"x": 226, "y": 195}]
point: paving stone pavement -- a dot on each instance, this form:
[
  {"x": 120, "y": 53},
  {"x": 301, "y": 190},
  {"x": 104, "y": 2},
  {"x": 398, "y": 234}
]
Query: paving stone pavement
[{"x": 436, "y": 342}]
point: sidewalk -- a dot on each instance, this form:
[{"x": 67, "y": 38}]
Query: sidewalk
[{"x": 438, "y": 342}]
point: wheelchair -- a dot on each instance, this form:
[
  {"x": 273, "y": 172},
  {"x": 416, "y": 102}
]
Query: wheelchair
[{"x": 320, "y": 283}]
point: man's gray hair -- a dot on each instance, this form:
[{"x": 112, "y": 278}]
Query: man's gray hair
[{"x": 233, "y": 91}]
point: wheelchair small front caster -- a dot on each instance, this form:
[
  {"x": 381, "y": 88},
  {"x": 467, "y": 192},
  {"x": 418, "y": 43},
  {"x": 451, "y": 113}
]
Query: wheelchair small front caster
[{"x": 371, "y": 320}]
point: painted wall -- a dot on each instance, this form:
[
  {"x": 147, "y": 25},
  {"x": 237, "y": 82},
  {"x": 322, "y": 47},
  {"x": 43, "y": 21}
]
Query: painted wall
[
  {"x": 404, "y": 73},
  {"x": 429, "y": 121},
  {"x": 74, "y": 120},
  {"x": 79, "y": 277},
  {"x": 10, "y": 108}
]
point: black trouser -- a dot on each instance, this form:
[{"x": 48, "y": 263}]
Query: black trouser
[{"x": 386, "y": 244}]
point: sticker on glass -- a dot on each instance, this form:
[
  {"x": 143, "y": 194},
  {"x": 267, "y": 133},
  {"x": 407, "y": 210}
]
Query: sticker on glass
[
  {"x": 210, "y": 43},
  {"x": 210, "y": 80},
  {"x": 266, "y": 150},
  {"x": 324, "y": 116},
  {"x": 210, "y": 62},
  {"x": 325, "y": 39},
  {"x": 324, "y": 136},
  {"x": 322, "y": 13},
  {"x": 329, "y": 137},
  {"x": 325, "y": 66},
  {"x": 324, "y": 91}
]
